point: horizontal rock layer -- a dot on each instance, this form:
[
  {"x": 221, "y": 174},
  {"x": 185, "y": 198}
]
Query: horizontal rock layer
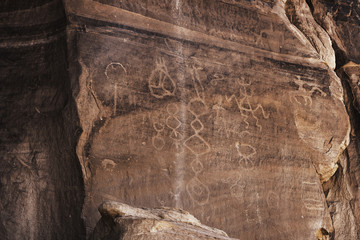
[
  {"x": 223, "y": 109},
  {"x": 41, "y": 187},
  {"x": 229, "y": 109}
]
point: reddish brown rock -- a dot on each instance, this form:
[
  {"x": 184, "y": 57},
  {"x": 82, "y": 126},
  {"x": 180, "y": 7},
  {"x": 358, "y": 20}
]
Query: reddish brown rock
[
  {"x": 229, "y": 109},
  {"x": 236, "y": 121},
  {"x": 41, "y": 187},
  {"x": 341, "y": 20}
]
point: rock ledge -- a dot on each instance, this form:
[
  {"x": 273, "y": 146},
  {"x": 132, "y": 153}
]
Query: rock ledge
[{"x": 121, "y": 221}]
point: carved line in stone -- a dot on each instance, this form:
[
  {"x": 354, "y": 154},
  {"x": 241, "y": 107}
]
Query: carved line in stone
[
  {"x": 245, "y": 158},
  {"x": 272, "y": 199},
  {"x": 198, "y": 191},
  {"x": 305, "y": 94},
  {"x": 173, "y": 122},
  {"x": 310, "y": 200},
  {"x": 224, "y": 124},
  {"x": 248, "y": 111},
  {"x": 197, "y": 145},
  {"x": 160, "y": 82},
  {"x": 158, "y": 141},
  {"x": 243, "y": 101},
  {"x": 244, "y": 155},
  {"x": 116, "y": 83},
  {"x": 199, "y": 89}
]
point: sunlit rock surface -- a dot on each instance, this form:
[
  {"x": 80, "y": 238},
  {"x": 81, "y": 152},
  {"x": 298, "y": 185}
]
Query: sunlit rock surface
[
  {"x": 341, "y": 19},
  {"x": 232, "y": 110},
  {"x": 121, "y": 221},
  {"x": 225, "y": 109}
]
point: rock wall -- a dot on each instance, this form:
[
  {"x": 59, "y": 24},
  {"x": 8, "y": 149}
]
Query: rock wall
[
  {"x": 229, "y": 109},
  {"x": 41, "y": 188},
  {"x": 341, "y": 19}
]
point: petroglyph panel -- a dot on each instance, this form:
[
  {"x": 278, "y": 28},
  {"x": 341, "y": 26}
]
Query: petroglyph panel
[{"x": 232, "y": 134}]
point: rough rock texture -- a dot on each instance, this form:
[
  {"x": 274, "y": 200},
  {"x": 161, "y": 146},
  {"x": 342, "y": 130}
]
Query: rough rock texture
[
  {"x": 229, "y": 109},
  {"x": 341, "y": 19},
  {"x": 41, "y": 188},
  {"x": 121, "y": 221}
]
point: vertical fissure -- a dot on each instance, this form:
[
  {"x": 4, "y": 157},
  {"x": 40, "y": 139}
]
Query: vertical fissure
[{"x": 339, "y": 191}]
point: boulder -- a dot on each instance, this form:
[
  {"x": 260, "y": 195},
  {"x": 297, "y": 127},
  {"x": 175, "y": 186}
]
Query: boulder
[{"x": 121, "y": 221}]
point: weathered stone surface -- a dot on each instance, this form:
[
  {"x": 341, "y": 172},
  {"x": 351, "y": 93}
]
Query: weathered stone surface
[
  {"x": 229, "y": 109},
  {"x": 342, "y": 190},
  {"x": 121, "y": 221},
  {"x": 225, "y": 109},
  {"x": 41, "y": 189},
  {"x": 299, "y": 14},
  {"x": 341, "y": 19}
]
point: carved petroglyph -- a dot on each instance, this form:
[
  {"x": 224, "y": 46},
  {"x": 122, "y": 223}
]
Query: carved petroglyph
[
  {"x": 303, "y": 96},
  {"x": 115, "y": 73},
  {"x": 161, "y": 83},
  {"x": 311, "y": 200},
  {"x": 198, "y": 191},
  {"x": 108, "y": 164},
  {"x": 197, "y": 166},
  {"x": 245, "y": 152},
  {"x": 272, "y": 199},
  {"x": 224, "y": 124},
  {"x": 242, "y": 99},
  {"x": 158, "y": 141},
  {"x": 309, "y": 124},
  {"x": 237, "y": 190},
  {"x": 172, "y": 125},
  {"x": 246, "y": 123},
  {"x": 197, "y": 107},
  {"x": 162, "y": 122},
  {"x": 197, "y": 145},
  {"x": 173, "y": 122}
]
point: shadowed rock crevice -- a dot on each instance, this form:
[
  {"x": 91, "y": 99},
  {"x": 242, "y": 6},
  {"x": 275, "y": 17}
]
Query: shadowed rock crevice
[
  {"x": 41, "y": 186},
  {"x": 341, "y": 20}
]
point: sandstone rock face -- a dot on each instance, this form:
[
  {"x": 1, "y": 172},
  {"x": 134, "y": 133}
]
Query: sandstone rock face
[
  {"x": 341, "y": 19},
  {"x": 230, "y": 109},
  {"x": 225, "y": 109},
  {"x": 121, "y": 221}
]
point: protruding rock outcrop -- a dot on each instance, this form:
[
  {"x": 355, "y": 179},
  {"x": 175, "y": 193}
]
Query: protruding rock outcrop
[{"x": 123, "y": 222}]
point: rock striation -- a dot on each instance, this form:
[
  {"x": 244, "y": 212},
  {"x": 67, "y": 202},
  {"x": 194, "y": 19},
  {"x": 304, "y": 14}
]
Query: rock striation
[
  {"x": 41, "y": 187},
  {"x": 242, "y": 112},
  {"x": 121, "y": 221},
  {"x": 341, "y": 19},
  {"x": 230, "y": 110}
]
